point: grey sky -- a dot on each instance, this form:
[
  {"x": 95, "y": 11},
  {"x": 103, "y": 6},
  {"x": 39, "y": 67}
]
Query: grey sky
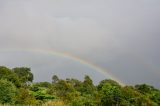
[{"x": 119, "y": 35}]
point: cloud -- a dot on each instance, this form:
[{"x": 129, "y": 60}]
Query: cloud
[{"x": 119, "y": 35}]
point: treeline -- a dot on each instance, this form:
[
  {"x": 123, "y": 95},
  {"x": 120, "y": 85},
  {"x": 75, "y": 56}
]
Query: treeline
[{"x": 17, "y": 88}]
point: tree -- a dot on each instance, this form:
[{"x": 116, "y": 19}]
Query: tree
[
  {"x": 130, "y": 95},
  {"x": 24, "y": 74},
  {"x": 144, "y": 88},
  {"x": 108, "y": 81},
  {"x": 55, "y": 79},
  {"x": 87, "y": 86},
  {"x": 88, "y": 80},
  {"x": 7, "y": 91},
  {"x": 62, "y": 87},
  {"x": 112, "y": 95},
  {"x": 6, "y": 73},
  {"x": 71, "y": 92},
  {"x": 42, "y": 84}
]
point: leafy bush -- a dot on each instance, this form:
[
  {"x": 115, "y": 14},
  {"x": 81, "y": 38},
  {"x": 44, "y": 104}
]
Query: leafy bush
[
  {"x": 41, "y": 94},
  {"x": 23, "y": 97},
  {"x": 7, "y": 91}
]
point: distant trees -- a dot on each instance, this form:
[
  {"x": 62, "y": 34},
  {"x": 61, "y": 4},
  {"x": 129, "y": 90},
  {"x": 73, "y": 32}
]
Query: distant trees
[
  {"x": 55, "y": 79},
  {"x": 17, "y": 88},
  {"x": 143, "y": 88}
]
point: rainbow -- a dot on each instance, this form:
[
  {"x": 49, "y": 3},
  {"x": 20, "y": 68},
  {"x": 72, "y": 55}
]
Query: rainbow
[{"x": 67, "y": 55}]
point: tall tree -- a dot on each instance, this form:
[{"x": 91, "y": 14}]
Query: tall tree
[
  {"x": 111, "y": 95},
  {"x": 24, "y": 74},
  {"x": 87, "y": 85},
  {"x": 6, "y": 73},
  {"x": 55, "y": 79}
]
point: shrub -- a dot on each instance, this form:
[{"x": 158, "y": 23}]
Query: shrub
[{"x": 7, "y": 92}]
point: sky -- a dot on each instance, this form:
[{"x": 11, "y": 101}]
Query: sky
[{"x": 121, "y": 36}]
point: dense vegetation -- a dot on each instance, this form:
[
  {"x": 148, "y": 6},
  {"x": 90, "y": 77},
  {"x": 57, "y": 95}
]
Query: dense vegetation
[{"x": 17, "y": 88}]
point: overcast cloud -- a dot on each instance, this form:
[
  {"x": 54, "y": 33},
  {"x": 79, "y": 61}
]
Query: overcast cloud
[{"x": 120, "y": 35}]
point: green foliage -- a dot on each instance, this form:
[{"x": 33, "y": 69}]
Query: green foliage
[
  {"x": 7, "y": 92},
  {"x": 107, "y": 81},
  {"x": 41, "y": 94},
  {"x": 43, "y": 84},
  {"x": 85, "y": 100},
  {"x": 145, "y": 88},
  {"x": 111, "y": 95},
  {"x": 36, "y": 86},
  {"x": 130, "y": 95},
  {"x": 76, "y": 102},
  {"x": 6, "y": 73},
  {"x": 24, "y": 97},
  {"x": 55, "y": 79},
  {"x": 62, "y": 88},
  {"x": 16, "y": 88},
  {"x": 24, "y": 74},
  {"x": 87, "y": 86},
  {"x": 156, "y": 97}
]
